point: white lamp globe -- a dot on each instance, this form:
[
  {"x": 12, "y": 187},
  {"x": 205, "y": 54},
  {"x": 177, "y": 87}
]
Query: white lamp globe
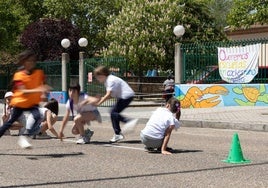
[
  {"x": 82, "y": 42},
  {"x": 65, "y": 43},
  {"x": 179, "y": 30}
]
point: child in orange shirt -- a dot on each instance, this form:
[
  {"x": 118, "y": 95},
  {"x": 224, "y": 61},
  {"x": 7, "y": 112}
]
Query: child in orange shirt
[{"x": 28, "y": 86}]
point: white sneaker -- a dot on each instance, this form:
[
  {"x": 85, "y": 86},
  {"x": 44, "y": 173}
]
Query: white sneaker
[
  {"x": 83, "y": 140},
  {"x": 129, "y": 126},
  {"x": 117, "y": 137},
  {"x": 24, "y": 143}
]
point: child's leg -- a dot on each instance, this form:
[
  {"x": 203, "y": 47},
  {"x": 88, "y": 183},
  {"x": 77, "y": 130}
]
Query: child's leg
[
  {"x": 33, "y": 120},
  {"x": 16, "y": 113},
  {"x": 116, "y": 117},
  {"x": 16, "y": 126},
  {"x": 80, "y": 120},
  {"x": 150, "y": 142}
]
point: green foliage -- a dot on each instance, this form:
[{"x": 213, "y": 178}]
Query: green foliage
[
  {"x": 143, "y": 30},
  {"x": 90, "y": 16},
  {"x": 219, "y": 9},
  {"x": 13, "y": 19},
  {"x": 245, "y": 13},
  {"x": 45, "y": 37}
]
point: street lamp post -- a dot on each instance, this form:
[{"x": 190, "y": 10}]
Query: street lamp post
[
  {"x": 82, "y": 43},
  {"x": 179, "y": 32},
  {"x": 65, "y": 43}
]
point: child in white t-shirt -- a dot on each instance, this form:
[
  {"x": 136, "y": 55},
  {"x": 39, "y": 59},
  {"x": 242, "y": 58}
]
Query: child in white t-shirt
[
  {"x": 48, "y": 117},
  {"x": 119, "y": 89},
  {"x": 82, "y": 108},
  {"x": 157, "y": 131}
]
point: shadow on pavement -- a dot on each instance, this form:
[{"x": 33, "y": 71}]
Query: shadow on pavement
[{"x": 52, "y": 155}]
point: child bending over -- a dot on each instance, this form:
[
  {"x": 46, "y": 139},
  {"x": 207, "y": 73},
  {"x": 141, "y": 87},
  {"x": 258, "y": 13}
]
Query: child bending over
[
  {"x": 83, "y": 111},
  {"x": 158, "y": 129}
]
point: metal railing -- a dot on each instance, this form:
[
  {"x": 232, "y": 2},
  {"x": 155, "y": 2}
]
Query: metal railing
[{"x": 200, "y": 61}]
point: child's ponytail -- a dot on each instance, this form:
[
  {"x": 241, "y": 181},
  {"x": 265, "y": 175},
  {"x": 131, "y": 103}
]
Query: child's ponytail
[{"x": 175, "y": 107}]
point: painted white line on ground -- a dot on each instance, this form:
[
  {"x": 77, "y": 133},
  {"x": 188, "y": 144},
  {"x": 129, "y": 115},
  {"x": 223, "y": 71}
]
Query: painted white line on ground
[
  {"x": 106, "y": 145},
  {"x": 125, "y": 147},
  {"x": 69, "y": 140}
]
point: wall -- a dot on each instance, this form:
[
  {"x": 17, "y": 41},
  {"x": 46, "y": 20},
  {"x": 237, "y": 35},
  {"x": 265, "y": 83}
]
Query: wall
[
  {"x": 253, "y": 32},
  {"x": 210, "y": 95}
]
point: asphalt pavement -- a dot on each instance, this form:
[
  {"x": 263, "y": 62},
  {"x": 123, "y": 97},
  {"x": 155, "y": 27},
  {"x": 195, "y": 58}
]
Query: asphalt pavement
[{"x": 197, "y": 160}]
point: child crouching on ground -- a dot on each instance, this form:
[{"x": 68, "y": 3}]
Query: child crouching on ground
[
  {"x": 83, "y": 111},
  {"x": 48, "y": 117},
  {"x": 157, "y": 131}
]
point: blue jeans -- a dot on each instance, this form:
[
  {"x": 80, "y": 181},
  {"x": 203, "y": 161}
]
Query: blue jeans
[
  {"x": 116, "y": 117},
  {"x": 16, "y": 113}
]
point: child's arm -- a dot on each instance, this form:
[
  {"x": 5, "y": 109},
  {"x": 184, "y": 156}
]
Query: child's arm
[
  {"x": 90, "y": 100},
  {"x": 166, "y": 140},
  {"x": 64, "y": 121},
  {"x": 50, "y": 122},
  {"x": 42, "y": 88},
  {"x": 107, "y": 96}
]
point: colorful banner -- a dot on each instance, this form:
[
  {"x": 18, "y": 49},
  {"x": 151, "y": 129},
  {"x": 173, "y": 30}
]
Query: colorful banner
[{"x": 238, "y": 64}]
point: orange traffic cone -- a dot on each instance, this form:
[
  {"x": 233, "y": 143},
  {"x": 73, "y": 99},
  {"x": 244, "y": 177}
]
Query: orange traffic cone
[{"x": 236, "y": 154}]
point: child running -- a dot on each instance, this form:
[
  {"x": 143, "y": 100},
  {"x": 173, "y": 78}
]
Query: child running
[
  {"x": 83, "y": 111},
  {"x": 49, "y": 115},
  {"x": 119, "y": 89},
  {"x": 17, "y": 125},
  {"x": 157, "y": 131},
  {"x": 28, "y": 86}
]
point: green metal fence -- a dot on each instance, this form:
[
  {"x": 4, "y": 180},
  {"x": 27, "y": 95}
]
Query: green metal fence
[
  {"x": 200, "y": 61},
  {"x": 52, "y": 70}
]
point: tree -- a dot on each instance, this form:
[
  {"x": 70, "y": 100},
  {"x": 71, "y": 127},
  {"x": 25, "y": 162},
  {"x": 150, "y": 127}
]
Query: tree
[
  {"x": 45, "y": 35},
  {"x": 219, "y": 9},
  {"x": 143, "y": 30},
  {"x": 90, "y": 16},
  {"x": 13, "y": 19},
  {"x": 245, "y": 13}
]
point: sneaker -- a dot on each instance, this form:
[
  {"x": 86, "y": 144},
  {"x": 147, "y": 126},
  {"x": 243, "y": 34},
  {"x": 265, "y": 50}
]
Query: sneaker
[
  {"x": 43, "y": 136},
  {"x": 89, "y": 133},
  {"x": 149, "y": 149},
  {"x": 117, "y": 137},
  {"x": 24, "y": 143},
  {"x": 83, "y": 140},
  {"x": 129, "y": 126}
]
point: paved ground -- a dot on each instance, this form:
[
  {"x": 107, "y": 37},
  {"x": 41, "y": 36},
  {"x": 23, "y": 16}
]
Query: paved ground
[{"x": 196, "y": 162}]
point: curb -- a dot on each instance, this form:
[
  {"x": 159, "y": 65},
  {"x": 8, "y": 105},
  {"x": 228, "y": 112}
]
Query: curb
[{"x": 224, "y": 125}]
